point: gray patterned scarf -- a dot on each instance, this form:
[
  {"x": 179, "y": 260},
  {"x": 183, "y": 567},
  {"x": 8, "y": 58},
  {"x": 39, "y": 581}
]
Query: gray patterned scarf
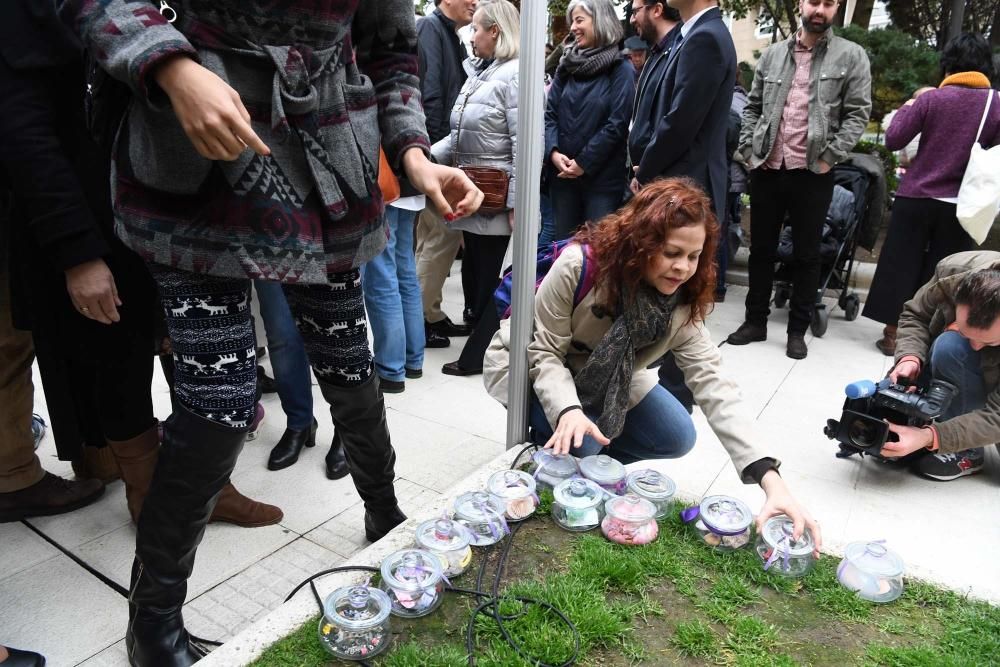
[
  {"x": 604, "y": 381},
  {"x": 587, "y": 62}
]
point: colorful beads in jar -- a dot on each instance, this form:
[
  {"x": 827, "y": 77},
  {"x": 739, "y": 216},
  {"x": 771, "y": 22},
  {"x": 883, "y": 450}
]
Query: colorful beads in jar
[
  {"x": 722, "y": 521},
  {"x": 483, "y": 514},
  {"x": 412, "y": 578},
  {"x": 355, "y": 623},
  {"x": 578, "y": 504},
  {"x": 447, "y": 540},
  {"x": 516, "y": 490},
  {"x": 872, "y": 570},
  {"x": 552, "y": 469},
  {"x": 608, "y": 473},
  {"x": 780, "y": 552},
  {"x": 630, "y": 520},
  {"x": 654, "y": 486}
]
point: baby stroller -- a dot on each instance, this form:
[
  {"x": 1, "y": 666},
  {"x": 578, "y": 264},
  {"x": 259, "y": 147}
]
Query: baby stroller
[{"x": 844, "y": 219}]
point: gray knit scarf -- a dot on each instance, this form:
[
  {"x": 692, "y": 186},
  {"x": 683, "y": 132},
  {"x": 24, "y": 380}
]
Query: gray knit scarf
[
  {"x": 604, "y": 382},
  {"x": 587, "y": 62}
]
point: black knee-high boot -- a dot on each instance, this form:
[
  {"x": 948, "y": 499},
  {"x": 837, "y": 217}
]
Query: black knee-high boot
[
  {"x": 359, "y": 417},
  {"x": 195, "y": 461}
]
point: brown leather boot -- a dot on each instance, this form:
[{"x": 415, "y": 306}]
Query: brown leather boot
[
  {"x": 233, "y": 507},
  {"x": 887, "y": 344},
  {"x": 96, "y": 463},
  {"x": 137, "y": 461}
]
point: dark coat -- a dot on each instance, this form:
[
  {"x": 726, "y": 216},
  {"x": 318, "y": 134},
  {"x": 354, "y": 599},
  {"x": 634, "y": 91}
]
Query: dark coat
[
  {"x": 440, "y": 56},
  {"x": 587, "y": 120},
  {"x": 683, "y": 110}
]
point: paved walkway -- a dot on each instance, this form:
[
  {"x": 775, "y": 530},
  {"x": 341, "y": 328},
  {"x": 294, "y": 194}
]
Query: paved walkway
[{"x": 444, "y": 428}]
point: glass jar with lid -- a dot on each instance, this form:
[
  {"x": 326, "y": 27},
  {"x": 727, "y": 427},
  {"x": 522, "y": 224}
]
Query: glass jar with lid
[
  {"x": 447, "y": 540},
  {"x": 872, "y": 570},
  {"x": 355, "y": 623},
  {"x": 412, "y": 578},
  {"x": 551, "y": 469},
  {"x": 722, "y": 521},
  {"x": 654, "y": 486},
  {"x": 516, "y": 489},
  {"x": 483, "y": 514},
  {"x": 630, "y": 520},
  {"x": 606, "y": 471},
  {"x": 780, "y": 552},
  {"x": 578, "y": 504}
]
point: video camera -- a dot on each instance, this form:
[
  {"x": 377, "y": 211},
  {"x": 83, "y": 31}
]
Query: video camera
[{"x": 862, "y": 428}]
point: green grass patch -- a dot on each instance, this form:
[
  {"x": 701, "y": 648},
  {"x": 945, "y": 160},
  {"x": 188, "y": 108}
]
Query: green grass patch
[{"x": 676, "y": 602}]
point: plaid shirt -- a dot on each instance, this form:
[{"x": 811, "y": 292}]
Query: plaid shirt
[{"x": 789, "y": 150}]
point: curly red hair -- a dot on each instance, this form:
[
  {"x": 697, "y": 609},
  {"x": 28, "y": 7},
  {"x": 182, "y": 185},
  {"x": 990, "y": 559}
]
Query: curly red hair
[{"x": 624, "y": 243}]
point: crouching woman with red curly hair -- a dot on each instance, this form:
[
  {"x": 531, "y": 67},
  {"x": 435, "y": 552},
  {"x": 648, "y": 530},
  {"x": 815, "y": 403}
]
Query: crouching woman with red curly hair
[{"x": 653, "y": 276}]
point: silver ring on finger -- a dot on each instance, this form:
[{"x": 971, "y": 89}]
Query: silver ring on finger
[{"x": 84, "y": 310}]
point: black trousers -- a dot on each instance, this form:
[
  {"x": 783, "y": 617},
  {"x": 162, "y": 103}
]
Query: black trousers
[
  {"x": 481, "y": 270},
  {"x": 805, "y": 198},
  {"x": 922, "y": 232}
]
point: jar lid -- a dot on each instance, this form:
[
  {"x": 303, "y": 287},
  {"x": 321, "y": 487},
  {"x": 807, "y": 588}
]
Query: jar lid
[
  {"x": 511, "y": 484},
  {"x": 874, "y": 558},
  {"x": 411, "y": 570},
  {"x": 777, "y": 534},
  {"x": 602, "y": 469},
  {"x": 725, "y": 515},
  {"x": 578, "y": 493},
  {"x": 478, "y": 507},
  {"x": 651, "y": 484},
  {"x": 357, "y": 607},
  {"x": 442, "y": 535},
  {"x": 554, "y": 466},
  {"x": 631, "y": 507}
]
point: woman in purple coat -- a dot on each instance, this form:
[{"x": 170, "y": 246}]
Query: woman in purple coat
[{"x": 924, "y": 229}]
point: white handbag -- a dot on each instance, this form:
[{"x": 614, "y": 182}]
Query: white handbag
[{"x": 979, "y": 195}]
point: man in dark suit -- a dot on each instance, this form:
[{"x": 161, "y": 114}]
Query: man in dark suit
[
  {"x": 682, "y": 107},
  {"x": 682, "y": 110}
]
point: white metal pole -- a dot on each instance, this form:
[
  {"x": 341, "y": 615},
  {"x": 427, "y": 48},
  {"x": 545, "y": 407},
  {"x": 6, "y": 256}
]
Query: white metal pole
[{"x": 528, "y": 168}]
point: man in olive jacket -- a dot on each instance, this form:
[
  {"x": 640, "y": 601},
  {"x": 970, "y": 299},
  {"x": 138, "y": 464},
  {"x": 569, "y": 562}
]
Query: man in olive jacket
[
  {"x": 950, "y": 330},
  {"x": 808, "y": 107}
]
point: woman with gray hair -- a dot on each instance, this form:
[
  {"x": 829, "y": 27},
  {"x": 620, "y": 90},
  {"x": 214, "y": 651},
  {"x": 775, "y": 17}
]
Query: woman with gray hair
[
  {"x": 587, "y": 118},
  {"x": 484, "y": 135}
]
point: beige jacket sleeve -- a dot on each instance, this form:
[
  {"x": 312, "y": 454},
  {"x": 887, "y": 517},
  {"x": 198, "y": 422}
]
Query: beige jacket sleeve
[
  {"x": 717, "y": 396},
  {"x": 550, "y": 378}
]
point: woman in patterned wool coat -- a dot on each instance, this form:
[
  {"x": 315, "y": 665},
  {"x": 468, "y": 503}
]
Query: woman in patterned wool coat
[{"x": 250, "y": 151}]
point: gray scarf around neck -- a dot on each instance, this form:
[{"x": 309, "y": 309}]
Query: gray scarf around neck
[{"x": 588, "y": 62}]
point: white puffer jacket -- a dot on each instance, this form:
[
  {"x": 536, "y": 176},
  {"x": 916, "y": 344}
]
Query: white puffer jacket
[{"x": 484, "y": 133}]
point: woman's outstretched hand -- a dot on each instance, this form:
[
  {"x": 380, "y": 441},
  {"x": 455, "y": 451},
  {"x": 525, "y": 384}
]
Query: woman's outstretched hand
[
  {"x": 209, "y": 110},
  {"x": 572, "y": 426},
  {"x": 780, "y": 501},
  {"x": 453, "y": 194}
]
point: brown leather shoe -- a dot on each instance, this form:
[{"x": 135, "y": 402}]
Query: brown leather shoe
[
  {"x": 50, "y": 495},
  {"x": 887, "y": 343},
  {"x": 233, "y": 507},
  {"x": 96, "y": 463},
  {"x": 137, "y": 461}
]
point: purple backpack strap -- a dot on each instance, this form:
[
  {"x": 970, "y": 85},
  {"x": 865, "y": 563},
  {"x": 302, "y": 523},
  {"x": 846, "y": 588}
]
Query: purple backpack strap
[{"x": 586, "y": 276}]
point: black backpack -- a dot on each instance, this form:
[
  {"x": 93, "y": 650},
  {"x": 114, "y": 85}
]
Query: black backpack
[{"x": 106, "y": 101}]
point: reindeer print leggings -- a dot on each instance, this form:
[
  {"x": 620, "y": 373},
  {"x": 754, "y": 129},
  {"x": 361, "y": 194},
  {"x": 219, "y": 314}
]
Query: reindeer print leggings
[{"x": 215, "y": 349}]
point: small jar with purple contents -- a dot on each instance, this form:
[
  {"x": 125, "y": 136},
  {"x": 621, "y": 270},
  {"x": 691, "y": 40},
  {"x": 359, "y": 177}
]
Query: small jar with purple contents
[
  {"x": 483, "y": 514},
  {"x": 780, "y": 552},
  {"x": 608, "y": 473},
  {"x": 552, "y": 469},
  {"x": 722, "y": 521},
  {"x": 412, "y": 578}
]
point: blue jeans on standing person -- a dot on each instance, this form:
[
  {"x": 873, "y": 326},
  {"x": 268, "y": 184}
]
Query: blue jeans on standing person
[
  {"x": 289, "y": 360},
  {"x": 392, "y": 298},
  {"x": 953, "y": 360},
  {"x": 658, "y": 427},
  {"x": 547, "y": 231},
  {"x": 574, "y": 203}
]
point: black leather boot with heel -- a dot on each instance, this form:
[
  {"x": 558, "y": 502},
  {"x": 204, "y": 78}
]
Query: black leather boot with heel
[
  {"x": 195, "y": 461},
  {"x": 359, "y": 417}
]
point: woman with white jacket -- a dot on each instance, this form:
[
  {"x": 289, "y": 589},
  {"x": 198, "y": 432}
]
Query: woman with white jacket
[{"x": 484, "y": 134}]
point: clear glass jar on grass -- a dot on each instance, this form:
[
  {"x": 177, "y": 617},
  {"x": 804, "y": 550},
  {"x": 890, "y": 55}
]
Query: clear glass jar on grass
[
  {"x": 630, "y": 520},
  {"x": 723, "y": 522},
  {"x": 552, "y": 469},
  {"x": 654, "y": 486},
  {"x": 483, "y": 514},
  {"x": 872, "y": 570},
  {"x": 355, "y": 623},
  {"x": 516, "y": 489},
  {"x": 447, "y": 540},
  {"x": 578, "y": 505},
  {"x": 412, "y": 578},
  {"x": 780, "y": 552},
  {"x": 607, "y": 472}
]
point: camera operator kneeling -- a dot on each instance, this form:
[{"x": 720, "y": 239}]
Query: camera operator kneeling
[{"x": 950, "y": 330}]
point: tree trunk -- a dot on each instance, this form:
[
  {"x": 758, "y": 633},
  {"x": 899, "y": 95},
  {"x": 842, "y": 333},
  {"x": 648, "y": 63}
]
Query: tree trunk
[
  {"x": 862, "y": 13},
  {"x": 995, "y": 30},
  {"x": 957, "y": 15}
]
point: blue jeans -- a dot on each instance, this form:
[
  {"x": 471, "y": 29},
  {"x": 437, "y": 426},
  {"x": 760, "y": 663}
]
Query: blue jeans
[
  {"x": 392, "y": 297},
  {"x": 547, "y": 232},
  {"x": 953, "y": 360},
  {"x": 657, "y": 428},
  {"x": 574, "y": 204},
  {"x": 289, "y": 360}
]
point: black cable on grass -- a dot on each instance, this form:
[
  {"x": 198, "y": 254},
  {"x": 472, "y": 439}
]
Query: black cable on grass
[{"x": 489, "y": 603}]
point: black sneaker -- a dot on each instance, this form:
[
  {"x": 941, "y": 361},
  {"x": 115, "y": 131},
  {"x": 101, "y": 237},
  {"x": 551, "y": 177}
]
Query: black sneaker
[
  {"x": 391, "y": 386},
  {"x": 946, "y": 467},
  {"x": 414, "y": 373},
  {"x": 748, "y": 333},
  {"x": 434, "y": 339},
  {"x": 448, "y": 328}
]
